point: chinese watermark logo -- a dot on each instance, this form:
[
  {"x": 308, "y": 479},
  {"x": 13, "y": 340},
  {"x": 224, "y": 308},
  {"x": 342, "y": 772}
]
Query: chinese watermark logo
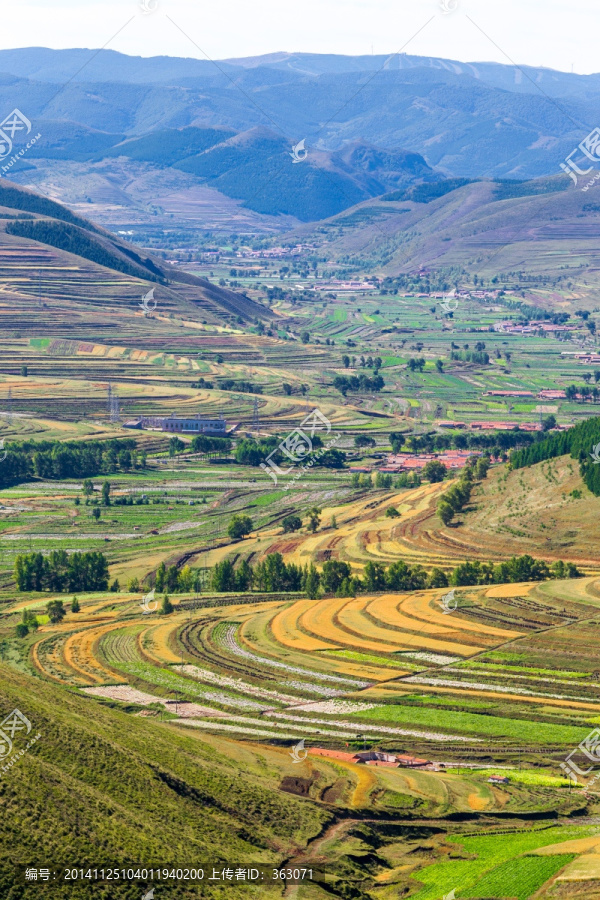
[
  {"x": 298, "y": 446},
  {"x": 299, "y": 153},
  {"x": 149, "y": 604},
  {"x": 147, "y": 299},
  {"x": 299, "y": 753},
  {"x": 16, "y": 721},
  {"x": 13, "y": 723},
  {"x": 590, "y": 748},
  {"x": 448, "y": 6},
  {"x": 148, "y": 6},
  {"x": 449, "y": 602},
  {"x": 449, "y": 304},
  {"x": 589, "y": 149},
  {"x": 595, "y": 454},
  {"x": 451, "y": 895},
  {"x": 3, "y": 452},
  {"x": 14, "y": 124}
]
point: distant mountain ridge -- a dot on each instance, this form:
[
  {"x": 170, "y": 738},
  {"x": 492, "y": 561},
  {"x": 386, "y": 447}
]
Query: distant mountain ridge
[{"x": 361, "y": 118}]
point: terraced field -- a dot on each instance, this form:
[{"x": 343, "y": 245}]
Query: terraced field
[{"x": 511, "y": 664}]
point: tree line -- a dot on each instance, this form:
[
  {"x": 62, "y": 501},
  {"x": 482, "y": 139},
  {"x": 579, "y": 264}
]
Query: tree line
[
  {"x": 354, "y": 383},
  {"x": 273, "y": 574},
  {"x": 73, "y": 459},
  {"x": 61, "y": 571},
  {"x": 249, "y": 452},
  {"x": 580, "y": 442},
  {"x": 454, "y": 500}
]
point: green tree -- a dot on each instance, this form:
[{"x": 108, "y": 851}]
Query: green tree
[
  {"x": 314, "y": 518},
  {"x": 21, "y": 630},
  {"x": 437, "y": 578},
  {"x": 24, "y": 371},
  {"x": 133, "y": 585},
  {"x": 29, "y": 619},
  {"x": 291, "y": 523},
  {"x": 75, "y": 605},
  {"x": 311, "y": 583},
  {"x": 445, "y": 512},
  {"x": 88, "y": 487},
  {"x": 176, "y": 445},
  {"x": 374, "y": 577},
  {"x": 166, "y": 606},
  {"x": 172, "y": 578},
  {"x": 333, "y": 574},
  {"x": 56, "y": 611},
  {"x": 96, "y": 513},
  {"x": 115, "y": 586},
  {"x": 239, "y": 527},
  {"x": 434, "y": 471},
  {"x": 106, "y": 493},
  {"x": 159, "y": 582},
  {"x": 362, "y": 440},
  {"x": 124, "y": 458},
  {"x": 223, "y": 577},
  {"x": 397, "y": 440}
]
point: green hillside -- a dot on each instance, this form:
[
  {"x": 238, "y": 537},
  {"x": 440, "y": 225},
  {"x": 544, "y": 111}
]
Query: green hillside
[{"x": 115, "y": 789}]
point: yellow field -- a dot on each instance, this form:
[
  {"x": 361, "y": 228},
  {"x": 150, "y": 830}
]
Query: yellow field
[
  {"x": 426, "y": 608},
  {"x": 284, "y": 627},
  {"x": 319, "y": 619},
  {"x": 153, "y": 642},
  {"x": 80, "y": 654},
  {"x": 351, "y": 619}
]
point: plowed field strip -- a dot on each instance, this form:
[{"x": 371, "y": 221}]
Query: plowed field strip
[
  {"x": 351, "y": 619},
  {"x": 384, "y": 610},
  {"x": 153, "y": 642},
  {"x": 426, "y": 608},
  {"x": 286, "y": 630},
  {"x": 80, "y": 654},
  {"x": 541, "y": 700},
  {"x": 319, "y": 620}
]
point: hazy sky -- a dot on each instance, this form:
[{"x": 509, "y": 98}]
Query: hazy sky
[{"x": 551, "y": 33}]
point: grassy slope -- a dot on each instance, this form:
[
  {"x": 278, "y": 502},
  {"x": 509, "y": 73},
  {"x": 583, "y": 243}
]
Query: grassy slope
[
  {"x": 533, "y": 510},
  {"x": 111, "y": 788}
]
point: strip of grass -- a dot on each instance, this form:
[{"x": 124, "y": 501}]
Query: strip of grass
[
  {"x": 519, "y": 877},
  {"x": 491, "y": 852},
  {"x": 522, "y": 670},
  {"x": 476, "y": 723}
]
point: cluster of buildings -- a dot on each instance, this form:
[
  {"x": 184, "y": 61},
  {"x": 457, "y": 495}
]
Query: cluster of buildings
[
  {"x": 532, "y": 327},
  {"x": 414, "y": 462},
  {"x": 181, "y": 424},
  {"x": 491, "y": 425},
  {"x": 273, "y": 252},
  {"x": 394, "y": 761},
  {"x": 588, "y": 359},
  {"x": 376, "y": 758}
]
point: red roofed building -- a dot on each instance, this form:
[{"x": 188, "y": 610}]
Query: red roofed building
[
  {"x": 509, "y": 393},
  {"x": 410, "y": 462}
]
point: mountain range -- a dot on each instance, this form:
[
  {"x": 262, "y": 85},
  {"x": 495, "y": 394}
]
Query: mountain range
[{"x": 369, "y": 124}]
